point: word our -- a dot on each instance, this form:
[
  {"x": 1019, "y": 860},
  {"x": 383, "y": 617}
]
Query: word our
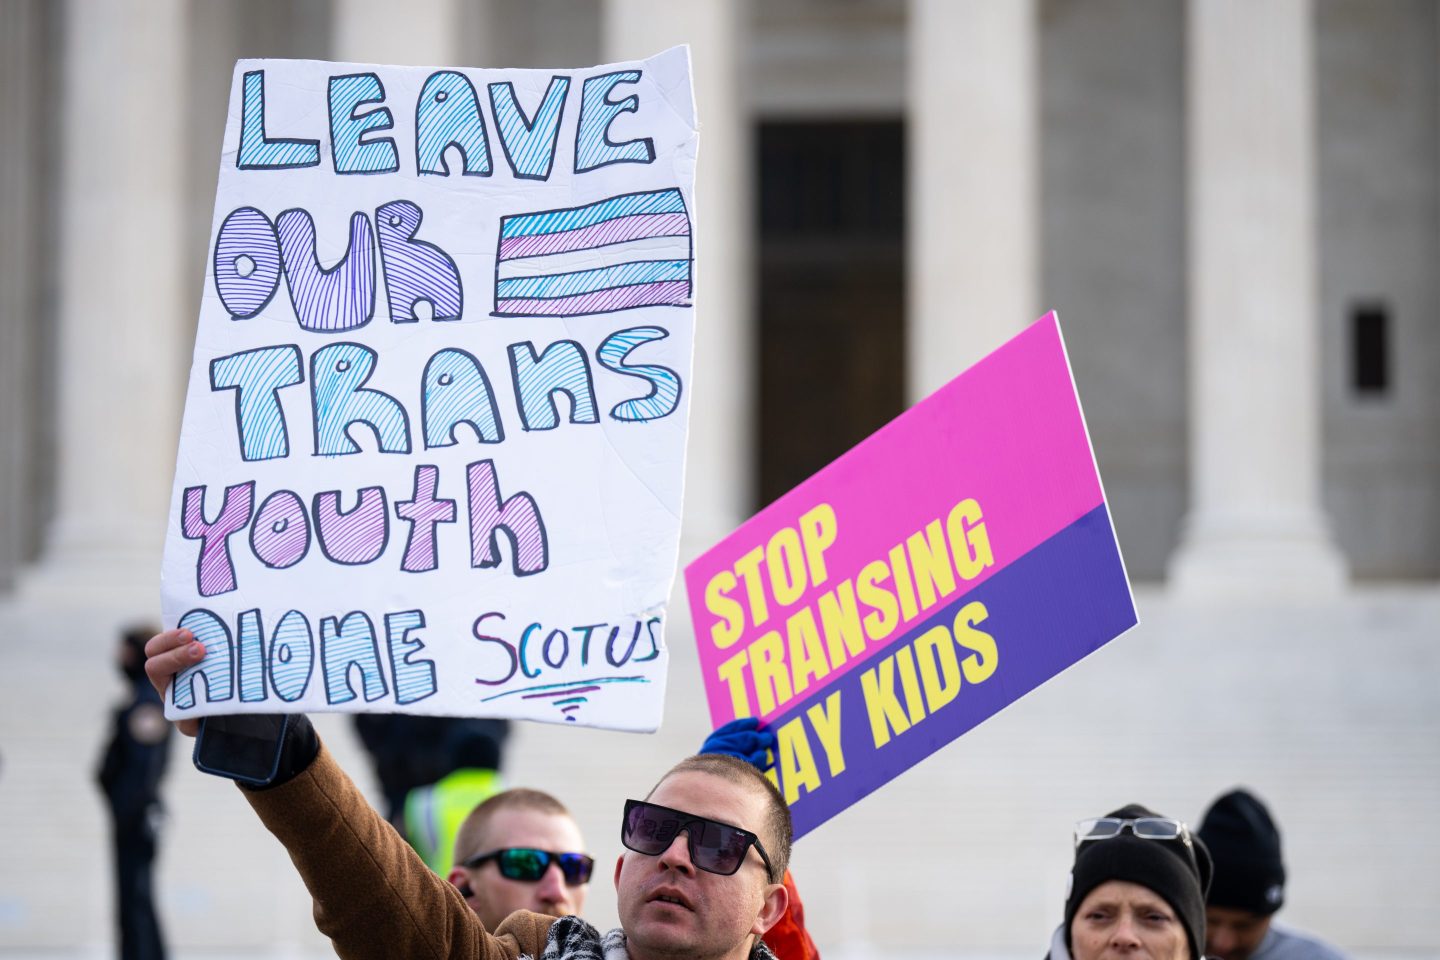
[
  {"x": 252, "y": 252},
  {"x": 824, "y": 636},
  {"x": 448, "y": 114}
]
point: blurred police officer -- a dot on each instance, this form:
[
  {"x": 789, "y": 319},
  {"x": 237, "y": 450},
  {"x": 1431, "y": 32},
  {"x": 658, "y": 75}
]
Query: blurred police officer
[{"x": 130, "y": 773}]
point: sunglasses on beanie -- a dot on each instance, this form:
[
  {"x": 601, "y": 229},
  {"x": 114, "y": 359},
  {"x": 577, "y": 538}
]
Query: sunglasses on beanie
[
  {"x": 1145, "y": 828},
  {"x": 528, "y": 865},
  {"x": 714, "y": 847}
]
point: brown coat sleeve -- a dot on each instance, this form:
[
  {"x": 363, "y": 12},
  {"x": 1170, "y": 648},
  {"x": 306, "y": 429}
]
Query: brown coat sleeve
[{"x": 374, "y": 897}]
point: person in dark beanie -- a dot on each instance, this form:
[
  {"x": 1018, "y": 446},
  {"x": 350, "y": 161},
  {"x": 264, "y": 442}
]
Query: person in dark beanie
[
  {"x": 1249, "y": 886},
  {"x": 1137, "y": 887}
]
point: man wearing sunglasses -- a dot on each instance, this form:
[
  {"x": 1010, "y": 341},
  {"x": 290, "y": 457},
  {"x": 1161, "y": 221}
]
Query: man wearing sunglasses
[
  {"x": 506, "y": 851},
  {"x": 705, "y": 854},
  {"x": 520, "y": 850},
  {"x": 700, "y": 878}
]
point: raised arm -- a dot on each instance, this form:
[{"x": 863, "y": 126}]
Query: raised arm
[{"x": 374, "y": 897}]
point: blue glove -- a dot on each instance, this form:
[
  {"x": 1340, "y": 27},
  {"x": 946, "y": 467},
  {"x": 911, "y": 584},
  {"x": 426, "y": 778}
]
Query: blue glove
[{"x": 742, "y": 738}]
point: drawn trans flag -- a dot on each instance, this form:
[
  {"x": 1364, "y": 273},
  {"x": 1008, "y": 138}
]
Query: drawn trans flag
[{"x": 628, "y": 251}]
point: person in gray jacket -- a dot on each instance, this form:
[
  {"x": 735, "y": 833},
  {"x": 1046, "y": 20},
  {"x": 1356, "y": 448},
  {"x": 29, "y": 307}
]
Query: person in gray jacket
[{"x": 1249, "y": 886}]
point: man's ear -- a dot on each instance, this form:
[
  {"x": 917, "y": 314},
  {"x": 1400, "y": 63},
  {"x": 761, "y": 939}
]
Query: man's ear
[
  {"x": 619, "y": 862},
  {"x": 777, "y": 899},
  {"x": 461, "y": 882}
]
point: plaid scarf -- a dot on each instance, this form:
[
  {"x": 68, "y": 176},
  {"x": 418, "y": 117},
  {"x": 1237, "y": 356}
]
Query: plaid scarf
[{"x": 573, "y": 939}]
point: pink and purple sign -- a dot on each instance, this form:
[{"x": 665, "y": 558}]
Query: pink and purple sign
[{"x": 955, "y": 560}]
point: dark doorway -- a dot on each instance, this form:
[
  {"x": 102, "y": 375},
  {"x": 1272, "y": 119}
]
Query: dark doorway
[{"x": 832, "y": 284}]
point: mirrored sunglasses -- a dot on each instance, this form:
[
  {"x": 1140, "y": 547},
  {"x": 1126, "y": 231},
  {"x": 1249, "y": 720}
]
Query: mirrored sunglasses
[
  {"x": 528, "y": 865},
  {"x": 714, "y": 847}
]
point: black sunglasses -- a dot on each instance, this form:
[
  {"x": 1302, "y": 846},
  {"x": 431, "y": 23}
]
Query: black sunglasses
[
  {"x": 714, "y": 847},
  {"x": 528, "y": 865}
]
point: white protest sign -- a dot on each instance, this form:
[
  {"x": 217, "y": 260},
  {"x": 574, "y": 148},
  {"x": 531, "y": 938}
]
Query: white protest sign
[{"x": 433, "y": 445}]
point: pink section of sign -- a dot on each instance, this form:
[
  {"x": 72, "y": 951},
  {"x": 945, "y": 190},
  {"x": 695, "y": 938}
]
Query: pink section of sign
[{"x": 1007, "y": 433}]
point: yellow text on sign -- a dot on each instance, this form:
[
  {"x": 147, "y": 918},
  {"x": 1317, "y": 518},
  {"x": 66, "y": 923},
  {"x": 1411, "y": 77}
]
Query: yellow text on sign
[
  {"x": 856, "y": 614},
  {"x": 929, "y": 671},
  {"x": 795, "y": 758},
  {"x": 793, "y": 560}
]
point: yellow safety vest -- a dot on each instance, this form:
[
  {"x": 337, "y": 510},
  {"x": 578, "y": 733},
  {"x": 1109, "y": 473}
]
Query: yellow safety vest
[{"x": 433, "y": 813}]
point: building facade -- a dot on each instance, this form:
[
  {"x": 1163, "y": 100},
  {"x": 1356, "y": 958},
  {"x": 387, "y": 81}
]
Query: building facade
[{"x": 1234, "y": 206}]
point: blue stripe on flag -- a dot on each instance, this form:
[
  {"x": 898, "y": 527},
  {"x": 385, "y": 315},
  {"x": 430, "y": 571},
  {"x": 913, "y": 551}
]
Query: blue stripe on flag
[
  {"x": 554, "y": 221},
  {"x": 588, "y": 281}
]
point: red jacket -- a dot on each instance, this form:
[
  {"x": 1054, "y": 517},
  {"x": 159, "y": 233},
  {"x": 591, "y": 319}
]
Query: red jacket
[{"x": 788, "y": 939}]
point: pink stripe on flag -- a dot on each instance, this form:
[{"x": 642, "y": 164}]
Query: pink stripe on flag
[
  {"x": 670, "y": 293},
  {"x": 635, "y": 227}
]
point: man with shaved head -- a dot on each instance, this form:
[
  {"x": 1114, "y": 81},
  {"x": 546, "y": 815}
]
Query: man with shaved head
[{"x": 521, "y": 850}]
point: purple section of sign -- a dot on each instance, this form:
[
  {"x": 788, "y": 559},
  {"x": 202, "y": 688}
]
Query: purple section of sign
[{"x": 1051, "y": 607}]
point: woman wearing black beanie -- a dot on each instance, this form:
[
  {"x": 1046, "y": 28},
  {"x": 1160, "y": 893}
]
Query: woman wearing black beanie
[{"x": 1137, "y": 890}]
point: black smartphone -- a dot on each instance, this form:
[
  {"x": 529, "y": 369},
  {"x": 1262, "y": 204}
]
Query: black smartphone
[{"x": 244, "y": 747}]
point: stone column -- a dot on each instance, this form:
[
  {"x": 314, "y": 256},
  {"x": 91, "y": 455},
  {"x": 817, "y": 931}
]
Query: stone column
[
  {"x": 718, "y": 475},
  {"x": 415, "y": 33},
  {"x": 973, "y": 240},
  {"x": 1256, "y": 524},
  {"x": 121, "y": 350},
  {"x": 22, "y": 71}
]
